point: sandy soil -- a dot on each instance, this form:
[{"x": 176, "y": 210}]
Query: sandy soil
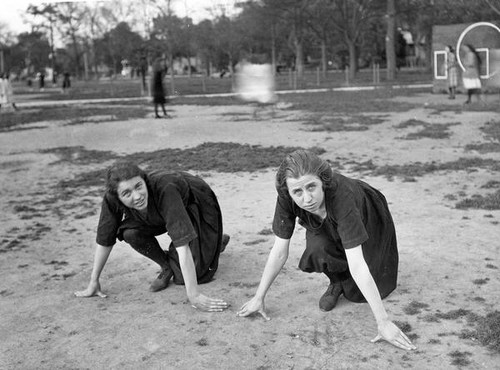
[{"x": 449, "y": 257}]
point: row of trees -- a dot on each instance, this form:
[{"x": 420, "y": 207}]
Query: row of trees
[{"x": 293, "y": 33}]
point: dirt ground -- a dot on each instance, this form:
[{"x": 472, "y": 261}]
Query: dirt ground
[{"x": 449, "y": 257}]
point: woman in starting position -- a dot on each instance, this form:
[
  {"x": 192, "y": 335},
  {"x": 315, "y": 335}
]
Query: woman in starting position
[
  {"x": 138, "y": 206},
  {"x": 350, "y": 237}
]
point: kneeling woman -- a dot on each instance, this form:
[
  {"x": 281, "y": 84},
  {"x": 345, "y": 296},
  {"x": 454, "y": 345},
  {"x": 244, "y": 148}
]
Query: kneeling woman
[
  {"x": 139, "y": 206},
  {"x": 350, "y": 237}
]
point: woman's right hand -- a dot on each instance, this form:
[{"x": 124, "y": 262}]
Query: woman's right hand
[
  {"x": 93, "y": 289},
  {"x": 252, "y": 306}
]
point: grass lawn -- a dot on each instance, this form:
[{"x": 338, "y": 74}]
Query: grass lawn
[{"x": 184, "y": 85}]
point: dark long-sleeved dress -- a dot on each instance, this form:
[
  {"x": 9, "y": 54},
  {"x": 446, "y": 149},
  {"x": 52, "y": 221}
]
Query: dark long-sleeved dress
[
  {"x": 158, "y": 90},
  {"x": 357, "y": 214},
  {"x": 178, "y": 203}
]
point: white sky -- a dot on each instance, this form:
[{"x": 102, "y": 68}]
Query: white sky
[{"x": 12, "y": 11}]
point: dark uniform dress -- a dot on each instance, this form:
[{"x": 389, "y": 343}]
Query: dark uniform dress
[
  {"x": 158, "y": 88},
  {"x": 178, "y": 203},
  {"x": 357, "y": 214}
]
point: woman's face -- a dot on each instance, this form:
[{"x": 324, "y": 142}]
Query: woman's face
[
  {"x": 307, "y": 192},
  {"x": 133, "y": 193}
]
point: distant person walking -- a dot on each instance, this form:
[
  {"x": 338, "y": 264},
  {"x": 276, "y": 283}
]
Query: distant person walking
[
  {"x": 470, "y": 76},
  {"x": 158, "y": 90},
  {"x": 41, "y": 81},
  {"x": 66, "y": 82},
  {"x": 452, "y": 69},
  {"x": 6, "y": 92}
]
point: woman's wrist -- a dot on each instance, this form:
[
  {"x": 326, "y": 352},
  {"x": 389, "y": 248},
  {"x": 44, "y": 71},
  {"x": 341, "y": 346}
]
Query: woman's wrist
[{"x": 382, "y": 320}]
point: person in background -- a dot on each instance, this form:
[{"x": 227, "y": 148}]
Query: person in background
[
  {"x": 6, "y": 91},
  {"x": 158, "y": 90},
  {"x": 471, "y": 75},
  {"x": 350, "y": 237},
  {"x": 66, "y": 84},
  {"x": 452, "y": 68},
  {"x": 138, "y": 206}
]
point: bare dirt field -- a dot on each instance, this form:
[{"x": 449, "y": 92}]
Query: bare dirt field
[{"x": 439, "y": 170}]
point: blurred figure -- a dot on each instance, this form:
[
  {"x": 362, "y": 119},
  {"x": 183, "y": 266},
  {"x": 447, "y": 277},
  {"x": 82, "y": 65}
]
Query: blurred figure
[
  {"x": 400, "y": 49},
  {"x": 470, "y": 76},
  {"x": 41, "y": 81},
  {"x": 6, "y": 92},
  {"x": 66, "y": 82},
  {"x": 255, "y": 84},
  {"x": 451, "y": 67},
  {"x": 158, "y": 90},
  {"x": 143, "y": 69}
]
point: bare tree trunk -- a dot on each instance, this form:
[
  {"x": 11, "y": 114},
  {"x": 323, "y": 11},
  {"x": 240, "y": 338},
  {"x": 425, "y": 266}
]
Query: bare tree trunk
[
  {"x": 299, "y": 59},
  {"x": 353, "y": 59},
  {"x": 273, "y": 49},
  {"x": 390, "y": 52},
  {"x": 323, "y": 57}
]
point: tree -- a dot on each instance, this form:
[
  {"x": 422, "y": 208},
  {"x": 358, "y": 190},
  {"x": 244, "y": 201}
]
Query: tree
[
  {"x": 204, "y": 43},
  {"x": 120, "y": 44},
  {"x": 49, "y": 15},
  {"x": 34, "y": 50},
  {"x": 320, "y": 22},
  {"x": 390, "y": 52},
  {"x": 351, "y": 19},
  {"x": 6, "y": 40}
]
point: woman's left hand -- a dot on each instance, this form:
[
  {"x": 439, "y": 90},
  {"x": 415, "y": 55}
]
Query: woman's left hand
[
  {"x": 205, "y": 303},
  {"x": 391, "y": 333}
]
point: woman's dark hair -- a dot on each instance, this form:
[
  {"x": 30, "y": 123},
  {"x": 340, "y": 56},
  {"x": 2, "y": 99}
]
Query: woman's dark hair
[
  {"x": 451, "y": 48},
  {"x": 122, "y": 171},
  {"x": 300, "y": 163}
]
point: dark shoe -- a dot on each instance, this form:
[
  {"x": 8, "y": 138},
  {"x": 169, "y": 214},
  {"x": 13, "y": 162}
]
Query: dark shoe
[
  {"x": 329, "y": 300},
  {"x": 225, "y": 241},
  {"x": 161, "y": 282}
]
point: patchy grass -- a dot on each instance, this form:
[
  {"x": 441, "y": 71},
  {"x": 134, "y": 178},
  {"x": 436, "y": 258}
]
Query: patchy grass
[
  {"x": 434, "y": 131},
  {"x": 480, "y": 281},
  {"x": 71, "y": 115},
  {"x": 419, "y": 169},
  {"x": 415, "y": 307},
  {"x": 349, "y": 102},
  {"x": 491, "y": 131},
  {"x": 484, "y": 147},
  {"x": 79, "y": 155},
  {"x": 335, "y": 124},
  {"x": 17, "y": 239},
  {"x": 220, "y": 157},
  {"x": 488, "y": 331},
  {"x": 460, "y": 358},
  {"x": 477, "y": 201}
]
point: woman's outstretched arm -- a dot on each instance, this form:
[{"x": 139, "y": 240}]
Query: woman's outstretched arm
[
  {"x": 364, "y": 280},
  {"x": 94, "y": 288},
  {"x": 276, "y": 260},
  {"x": 197, "y": 299}
]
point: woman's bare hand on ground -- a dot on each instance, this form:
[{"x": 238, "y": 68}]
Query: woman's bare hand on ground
[
  {"x": 392, "y": 334},
  {"x": 94, "y": 289},
  {"x": 205, "y": 303},
  {"x": 254, "y": 305}
]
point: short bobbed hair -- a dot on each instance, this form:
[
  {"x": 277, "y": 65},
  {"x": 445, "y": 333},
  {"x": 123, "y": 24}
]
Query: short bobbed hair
[
  {"x": 300, "y": 163},
  {"x": 122, "y": 171}
]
